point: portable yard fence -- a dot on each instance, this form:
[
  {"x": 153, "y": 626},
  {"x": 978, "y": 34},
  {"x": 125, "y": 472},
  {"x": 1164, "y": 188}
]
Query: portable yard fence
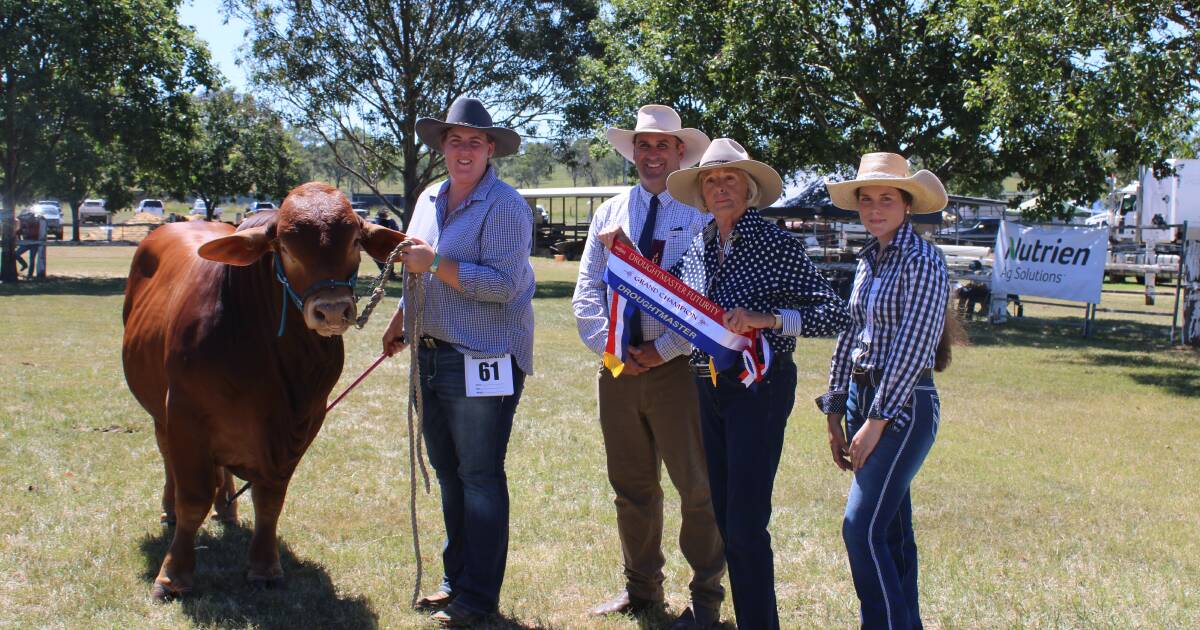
[{"x": 564, "y": 228}]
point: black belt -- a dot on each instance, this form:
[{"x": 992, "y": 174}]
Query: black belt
[
  {"x": 434, "y": 342},
  {"x": 872, "y": 378}
]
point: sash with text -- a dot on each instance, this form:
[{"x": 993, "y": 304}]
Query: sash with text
[{"x": 636, "y": 282}]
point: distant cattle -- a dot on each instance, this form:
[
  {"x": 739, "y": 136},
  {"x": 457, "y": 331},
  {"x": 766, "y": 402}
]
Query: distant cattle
[{"x": 234, "y": 373}]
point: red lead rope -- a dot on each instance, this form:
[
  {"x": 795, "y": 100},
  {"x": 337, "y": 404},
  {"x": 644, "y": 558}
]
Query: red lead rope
[
  {"x": 358, "y": 380},
  {"x": 333, "y": 404}
]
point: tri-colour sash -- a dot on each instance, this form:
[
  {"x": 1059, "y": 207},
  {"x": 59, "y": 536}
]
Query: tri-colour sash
[{"x": 636, "y": 282}]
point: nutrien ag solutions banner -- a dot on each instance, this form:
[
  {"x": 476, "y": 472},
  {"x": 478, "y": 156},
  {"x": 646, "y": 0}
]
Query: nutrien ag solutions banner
[{"x": 1057, "y": 262}]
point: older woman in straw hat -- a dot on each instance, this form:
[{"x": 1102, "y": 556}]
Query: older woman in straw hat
[
  {"x": 760, "y": 276},
  {"x": 881, "y": 381}
]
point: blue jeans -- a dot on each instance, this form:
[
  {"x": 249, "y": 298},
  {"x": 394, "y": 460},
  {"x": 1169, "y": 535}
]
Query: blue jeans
[
  {"x": 33, "y": 254},
  {"x": 877, "y": 527},
  {"x": 467, "y": 439},
  {"x": 743, "y": 438}
]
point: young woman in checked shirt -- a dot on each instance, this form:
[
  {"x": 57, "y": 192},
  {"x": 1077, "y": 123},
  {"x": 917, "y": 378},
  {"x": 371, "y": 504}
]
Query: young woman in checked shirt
[{"x": 881, "y": 381}]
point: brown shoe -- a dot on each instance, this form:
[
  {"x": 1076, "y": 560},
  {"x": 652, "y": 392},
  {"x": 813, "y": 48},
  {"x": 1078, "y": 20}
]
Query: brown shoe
[
  {"x": 454, "y": 616},
  {"x": 434, "y": 602},
  {"x": 625, "y": 604}
]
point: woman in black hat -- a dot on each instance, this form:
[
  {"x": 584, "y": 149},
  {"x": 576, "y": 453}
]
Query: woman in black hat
[{"x": 472, "y": 236}]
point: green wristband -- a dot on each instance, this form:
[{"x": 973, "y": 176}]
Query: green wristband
[{"x": 437, "y": 258}]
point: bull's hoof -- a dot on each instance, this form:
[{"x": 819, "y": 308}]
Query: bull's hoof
[
  {"x": 166, "y": 520},
  {"x": 164, "y": 593},
  {"x": 225, "y": 519}
]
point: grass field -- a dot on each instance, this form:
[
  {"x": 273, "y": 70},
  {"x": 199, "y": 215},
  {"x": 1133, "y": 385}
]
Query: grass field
[{"x": 1060, "y": 493}]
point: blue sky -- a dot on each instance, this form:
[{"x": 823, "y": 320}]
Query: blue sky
[{"x": 223, "y": 37}]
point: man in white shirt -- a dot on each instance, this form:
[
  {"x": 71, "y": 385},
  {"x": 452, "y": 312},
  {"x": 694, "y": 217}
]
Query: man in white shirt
[{"x": 649, "y": 415}]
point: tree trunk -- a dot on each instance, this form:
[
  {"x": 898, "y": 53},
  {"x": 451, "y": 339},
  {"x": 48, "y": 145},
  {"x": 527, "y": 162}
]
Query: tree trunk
[
  {"x": 74, "y": 208},
  {"x": 8, "y": 239},
  {"x": 411, "y": 185}
]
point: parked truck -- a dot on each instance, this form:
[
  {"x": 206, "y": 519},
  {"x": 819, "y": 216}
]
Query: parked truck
[{"x": 1170, "y": 200}]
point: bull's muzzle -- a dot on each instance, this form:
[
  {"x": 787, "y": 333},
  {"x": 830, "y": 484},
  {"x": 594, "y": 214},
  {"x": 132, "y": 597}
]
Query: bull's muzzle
[{"x": 330, "y": 313}]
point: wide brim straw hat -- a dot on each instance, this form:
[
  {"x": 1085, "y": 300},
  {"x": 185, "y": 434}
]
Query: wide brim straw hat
[
  {"x": 468, "y": 113},
  {"x": 890, "y": 169},
  {"x": 684, "y": 184},
  {"x": 660, "y": 119}
]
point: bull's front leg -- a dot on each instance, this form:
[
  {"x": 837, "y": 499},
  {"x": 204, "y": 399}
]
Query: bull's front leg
[{"x": 265, "y": 569}]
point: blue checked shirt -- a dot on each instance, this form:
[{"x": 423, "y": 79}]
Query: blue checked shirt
[
  {"x": 763, "y": 268},
  {"x": 489, "y": 236},
  {"x": 900, "y": 333},
  {"x": 676, "y": 225}
]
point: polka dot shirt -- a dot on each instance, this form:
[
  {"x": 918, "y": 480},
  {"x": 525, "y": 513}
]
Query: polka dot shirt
[{"x": 763, "y": 268}]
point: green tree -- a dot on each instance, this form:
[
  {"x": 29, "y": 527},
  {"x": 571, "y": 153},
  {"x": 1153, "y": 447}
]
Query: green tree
[
  {"x": 359, "y": 74},
  {"x": 528, "y": 168},
  {"x": 1074, "y": 91},
  {"x": 235, "y": 148},
  {"x": 576, "y": 156},
  {"x": 972, "y": 89},
  {"x": 96, "y": 69}
]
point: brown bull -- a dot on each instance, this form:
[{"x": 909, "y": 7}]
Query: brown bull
[{"x": 203, "y": 306}]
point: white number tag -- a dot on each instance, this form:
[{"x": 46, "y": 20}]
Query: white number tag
[{"x": 488, "y": 377}]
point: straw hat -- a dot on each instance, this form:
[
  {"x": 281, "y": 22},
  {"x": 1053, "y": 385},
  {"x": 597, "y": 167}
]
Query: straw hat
[
  {"x": 684, "y": 184},
  {"x": 468, "y": 113},
  {"x": 660, "y": 119},
  {"x": 889, "y": 169}
]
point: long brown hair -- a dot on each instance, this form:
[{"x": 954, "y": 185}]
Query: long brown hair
[{"x": 953, "y": 334}]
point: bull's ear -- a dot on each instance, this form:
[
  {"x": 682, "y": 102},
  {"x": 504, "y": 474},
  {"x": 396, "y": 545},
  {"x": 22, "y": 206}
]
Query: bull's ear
[
  {"x": 240, "y": 248},
  {"x": 380, "y": 241}
]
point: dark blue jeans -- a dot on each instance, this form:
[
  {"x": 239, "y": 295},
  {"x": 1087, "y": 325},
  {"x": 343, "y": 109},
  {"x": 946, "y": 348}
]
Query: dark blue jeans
[
  {"x": 878, "y": 527},
  {"x": 743, "y": 439},
  {"x": 467, "y": 439}
]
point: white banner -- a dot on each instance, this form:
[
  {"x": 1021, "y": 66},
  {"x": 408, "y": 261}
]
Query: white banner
[{"x": 1057, "y": 262}]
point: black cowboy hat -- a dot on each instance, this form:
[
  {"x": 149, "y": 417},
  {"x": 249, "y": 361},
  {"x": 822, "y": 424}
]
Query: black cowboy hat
[{"x": 469, "y": 113}]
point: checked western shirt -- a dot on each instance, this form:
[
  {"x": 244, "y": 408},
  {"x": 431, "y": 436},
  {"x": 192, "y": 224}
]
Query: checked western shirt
[
  {"x": 897, "y": 307},
  {"x": 490, "y": 236},
  {"x": 765, "y": 269},
  {"x": 676, "y": 225}
]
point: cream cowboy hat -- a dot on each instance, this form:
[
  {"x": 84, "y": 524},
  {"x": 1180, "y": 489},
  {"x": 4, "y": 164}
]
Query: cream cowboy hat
[
  {"x": 660, "y": 119},
  {"x": 684, "y": 184},
  {"x": 889, "y": 169}
]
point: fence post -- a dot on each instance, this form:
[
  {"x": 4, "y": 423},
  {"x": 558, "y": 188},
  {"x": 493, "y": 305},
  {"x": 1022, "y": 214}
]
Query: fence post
[
  {"x": 1151, "y": 281},
  {"x": 1191, "y": 293},
  {"x": 998, "y": 308},
  {"x": 40, "y": 257}
]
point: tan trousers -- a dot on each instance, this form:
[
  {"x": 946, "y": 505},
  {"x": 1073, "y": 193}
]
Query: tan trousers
[{"x": 647, "y": 420}]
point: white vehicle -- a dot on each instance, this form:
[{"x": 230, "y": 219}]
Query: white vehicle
[
  {"x": 259, "y": 206},
  {"x": 1172, "y": 200},
  {"x": 150, "y": 206},
  {"x": 51, "y": 211},
  {"x": 92, "y": 211},
  {"x": 199, "y": 207}
]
